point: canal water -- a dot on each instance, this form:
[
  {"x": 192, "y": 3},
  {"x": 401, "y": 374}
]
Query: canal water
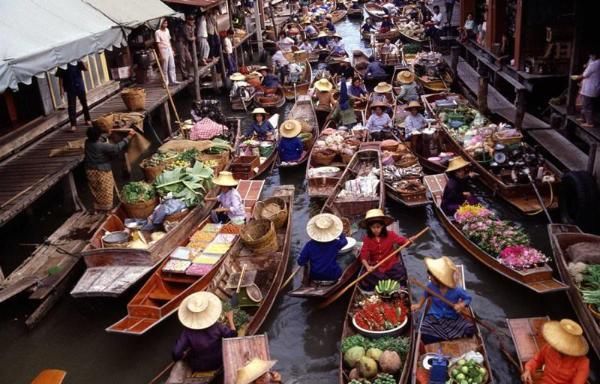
[{"x": 303, "y": 339}]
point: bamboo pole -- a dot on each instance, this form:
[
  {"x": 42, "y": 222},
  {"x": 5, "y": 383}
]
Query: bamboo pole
[{"x": 164, "y": 81}]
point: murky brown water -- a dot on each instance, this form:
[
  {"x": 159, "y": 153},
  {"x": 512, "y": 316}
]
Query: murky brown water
[{"x": 304, "y": 340}]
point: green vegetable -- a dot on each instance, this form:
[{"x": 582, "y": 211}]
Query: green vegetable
[
  {"x": 354, "y": 341},
  {"x": 137, "y": 192},
  {"x": 189, "y": 155},
  {"x": 460, "y": 376},
  {"x": 384, "y": 378},
  {"x": 240, "y": 317},
  {"x": 387, "y": 287},
  {"x": 353, "y": 356},
  {"x": 590, "y": 286},
  {"x": 187, "y": 184}
]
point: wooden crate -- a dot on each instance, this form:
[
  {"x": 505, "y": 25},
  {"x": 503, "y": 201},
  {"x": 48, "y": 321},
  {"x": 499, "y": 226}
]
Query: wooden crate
[{"x": 243, "y": 166}]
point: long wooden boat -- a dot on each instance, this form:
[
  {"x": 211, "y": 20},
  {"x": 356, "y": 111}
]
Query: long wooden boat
[
  {"x": 111, "y": 271},
  {"x": 348, "y": 330},
  {"x": 526, "y": 334},
  {"x": 354, "y": 13},
  {"x": 437, "y": 84},
  {"x": 292, "y": 91},
  {"x": 338, "y": 15},
  {"x": 320, "y": 185},
  {"x": 411, "y": 39},
  {"x": 304, "y": 111},
  {"x": 412, "y": 8},
  {"x": 162, "y": 293},
  {"x": 538, "y": 279},
  {"x": 251, "y": 167},
  {"x": 274, "y": 100},
  {"x": 562, "y": 236},
  {"x": 360, "y": 61},
  {"x": 519, "y": 195},
  {"x": 375, "y": 11},
  {"x": 450, "y": 349},
  {"x": 238, "y": 351},
  {"x": 270, "y": 270},
  {"x": 393, "y": 34}
]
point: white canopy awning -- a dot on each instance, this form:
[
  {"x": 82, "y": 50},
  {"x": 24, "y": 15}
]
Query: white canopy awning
[{"x": 39, "y": 35}]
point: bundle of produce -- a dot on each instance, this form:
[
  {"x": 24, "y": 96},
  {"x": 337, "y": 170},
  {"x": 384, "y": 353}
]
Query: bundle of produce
[
  {"x": 370, "y": 359},
  {"x": 590, "y": 288},
  {"x": 392, "y": 173},
  {"x": 137, "y": 192},
  {"x": 187, "y": 184},
  {"x": 363, "y": 187},
  {"x": 240, "y": 317},
  {"x": 412, "y": 29},
  {"x": 409, "y": 187},
  {"x": 387, "y": 287},
  {"x": 467, "y": 372},
  {"x": 522, "y": 257}
]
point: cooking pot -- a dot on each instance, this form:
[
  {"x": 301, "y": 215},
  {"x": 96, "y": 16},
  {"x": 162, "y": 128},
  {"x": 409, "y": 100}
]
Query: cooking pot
[{"x": 114, "y": 239}]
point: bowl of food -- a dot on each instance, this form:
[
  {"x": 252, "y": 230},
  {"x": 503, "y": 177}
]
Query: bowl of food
[
  {"x": 378, "y": 318},
  {"x": 350, "y": 246}
]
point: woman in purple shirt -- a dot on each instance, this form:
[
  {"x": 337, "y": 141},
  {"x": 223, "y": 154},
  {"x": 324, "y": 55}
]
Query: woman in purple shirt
[{"x": 199, "y": 345}]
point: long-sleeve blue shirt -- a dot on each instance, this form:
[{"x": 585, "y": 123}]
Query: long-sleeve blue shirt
[
  {"x": 290, "y": 149},
  {"x": 261, "y": 130},
  {"x": 322, "y": 258},
  {"x": 439, "y": 309}
]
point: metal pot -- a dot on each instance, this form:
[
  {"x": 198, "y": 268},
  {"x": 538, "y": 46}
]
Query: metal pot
[{"x": 115, "y": 239}]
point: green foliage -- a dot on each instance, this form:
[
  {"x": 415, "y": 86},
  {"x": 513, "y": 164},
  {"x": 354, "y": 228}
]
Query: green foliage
[
  {"x": 137, "y": 192},
  {"x": 400, "y": 345},
  {"x": 188, "y": 184}
]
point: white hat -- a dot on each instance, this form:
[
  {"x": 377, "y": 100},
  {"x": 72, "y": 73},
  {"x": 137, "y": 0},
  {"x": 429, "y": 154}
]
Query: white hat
[
  {"x": 253, "y": 370},
  {"x": 200, "y": 310},
  {"x": 324, "y": 227}
]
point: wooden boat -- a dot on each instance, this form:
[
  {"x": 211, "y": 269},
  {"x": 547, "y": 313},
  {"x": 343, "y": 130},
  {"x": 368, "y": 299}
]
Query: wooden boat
[
  {"x": 375, "y": 11},
  {"x": 50, "y": 376},
  {"x": 348, "y": 330},
  {"x": 353, "y": 13},
  {"x": 338, "y": 15},
  {"x": 404, "y": 36},
  {"x": 273, "y": 100},
  {"x": 238, "y": 351},
  {"x": 526, "y": 334},
  {"x": 320, "y": 186},
  {"x": 293, "y": 29},
  {"x": 251, "y": 167},
  {"x": 451, "y": 349},
  {"x": 412, "y": 8},
  {"x": 239, "y": 103},
  {"x": 162, "y": 293},
  {"x": 111, "y": 271},
  {"x": 292, "y": 91},
  {"x": 270, "y": 270},
  {"x": 436, "y": 84},
  {"x": 562, "y": 236},
  {"x": 393, "y": 34},
  {"x": 538, "y": 279},
  {"x": 519, "y": 195},
  {"x": 304, "y": 111},
  {"x": 360, "y": 61}
]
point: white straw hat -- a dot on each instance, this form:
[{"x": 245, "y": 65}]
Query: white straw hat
[
  {"x": 566, "y": 336},
  {"x": 324, "y": 227},
  {"x": 200, "y": 310},
  {"x": 253, "y": 370}
]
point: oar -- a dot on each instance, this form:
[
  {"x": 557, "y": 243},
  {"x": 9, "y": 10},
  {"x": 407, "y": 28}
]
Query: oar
[
  {"x": 361, "y": 277},
  {"x": 235, "y": 297},
  {"x": 537, "y": 194},
  {"x": 290, "y": 278}
]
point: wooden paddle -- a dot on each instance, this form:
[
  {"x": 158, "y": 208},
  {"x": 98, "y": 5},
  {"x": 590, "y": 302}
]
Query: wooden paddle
[
  {"x": 367, "y": 273},
  {"x": 287, "y": 281},
  {"x": 235, "y": 297}
]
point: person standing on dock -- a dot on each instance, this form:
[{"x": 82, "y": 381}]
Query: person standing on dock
[
  {"x": 443, "y": 322},
  {"x": 213, "y": 36},
  {"x": 228, "y": 51},
  {"x": 449, "y": 11},
  {"x": 98, "y": 154},
  {"x": 202, "y": 38},
  {"x": 590, "y": 91},
  {"x": 71, "y": 82},
  {"x": 167, "y": 57},
  {"x": 563, "y": 358}
]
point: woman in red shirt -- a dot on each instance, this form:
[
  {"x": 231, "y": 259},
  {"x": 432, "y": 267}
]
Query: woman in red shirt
[{"x": 379, "y": 243}]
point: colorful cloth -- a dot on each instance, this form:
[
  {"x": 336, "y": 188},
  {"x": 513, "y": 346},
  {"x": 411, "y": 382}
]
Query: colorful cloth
[
  {"x": 205, "y": 347},
  {"x": 321, "y": 257},
  {"x": 440, "y": 309},
  {"x": 290, "y": 149},
  {"x": 373, "y": 251},
  {"x": 435, "y": 329},
  {"x": 102, "y": 184},
  {"x": 559, "y": 368},
  {"x": 206, "y": 129}
]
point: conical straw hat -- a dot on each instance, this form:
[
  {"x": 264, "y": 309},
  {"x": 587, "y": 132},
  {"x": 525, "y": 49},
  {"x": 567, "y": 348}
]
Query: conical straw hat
[
  {"x": 253, "y": 370},
  {"x": 324, "y": 227},
  {"x": 324, "y": 85},
  {"x": 237, "y": 77},
  {"x": 258, "y": 111},
  {"x": 405, "y": 77},
  {"x": 383, "y": 87},
  {"x": 457, "y": 163},
  {"x": 442, "y": 269},
  {"x": 413, "y": 104},
  {"x": 566, "y": 336},
  {"x": 375, "y": 215},
  {"x": 200, "y": 310},
  {"x": 290, "y": 128},
  {"x": 225, "y": 179}
]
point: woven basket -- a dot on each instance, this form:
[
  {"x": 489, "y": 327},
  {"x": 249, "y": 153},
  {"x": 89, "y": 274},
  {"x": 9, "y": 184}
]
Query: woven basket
[
  {"x": 105, "y": 122},
  {"x": 134, "y": 98},
  {"x": 151, "y": 173},
  {"x": 387, "y": 145},
  {"x": 306, "y": 128},
  {"x": 347, "y": 225},
  {"x": 140, "y": 210},
  {"x": 273, "y": 209},
  {"x": 259, "y": 235},
  {"x": 346, "y": 158},
  {"x": 323, "y": 157}
]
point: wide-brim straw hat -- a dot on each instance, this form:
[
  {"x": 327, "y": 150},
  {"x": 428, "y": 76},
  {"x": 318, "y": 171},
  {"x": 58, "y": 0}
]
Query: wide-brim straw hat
[
  {"x": 322, "y": 34},
  {"x": 324, "y": 227},
  {"x": 259, "y": 111},
  {"x": 375, "y": 215},
  {"x": 324, "y": 85},
  {"x": 379, "y": 104},
  {"x": 383, "y": 87},
  {"x": 237, "y": 77},
  {"x": 405, "y": 77},
  {"x": 262, "y": 68},
  {"x": 306, "y": 22},
  {"x": 457, "y": 163},
  {"x": 337, "y": 35},
  {"x": 290, "y": 128},
  {"x": 413, "y": 104},
  {"x": 566, "y": 336},
  {"x": 200, "y": 310},
  {"x": 253, "y": 370},
  {"x": 442, "y": 269},
  {"x": 225, "y": 179},
  {"x": 329, "y": 17}
]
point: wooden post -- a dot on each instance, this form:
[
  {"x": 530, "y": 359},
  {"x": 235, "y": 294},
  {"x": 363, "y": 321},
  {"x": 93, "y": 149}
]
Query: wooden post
[
  {"x": 224, "y": 70},
  {"x": 196, "y": 71},
  {"x": 72, "y": 187},
  {"x": 520, "y": 108},
  {"x": 592, "y": 157},
  {"x": 167, "y": 118},
  {"x": 482, "y": 93},
  {"x": 454, "y": 56},
  {"x": 575, "y": 65},
  {"x": 258, "y": 28},
  {"x": 518, "y": 35}
]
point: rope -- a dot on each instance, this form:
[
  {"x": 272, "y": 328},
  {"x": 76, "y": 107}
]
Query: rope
[{"x": 547, "y": 206}]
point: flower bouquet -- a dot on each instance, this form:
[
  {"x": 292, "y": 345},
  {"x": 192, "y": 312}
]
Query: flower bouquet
[
  {"x": 521, "y": 257},
  {"x": 470, "y": 212}
]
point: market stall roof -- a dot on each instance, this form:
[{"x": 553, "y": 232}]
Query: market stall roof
[
  {"x": 39, "y": 35},
  {"x": 204, "y": 4},
  {"x": 133, "y": 13}
]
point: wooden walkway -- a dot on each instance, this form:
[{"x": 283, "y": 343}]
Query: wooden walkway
[{"x": 31, "y": 172}]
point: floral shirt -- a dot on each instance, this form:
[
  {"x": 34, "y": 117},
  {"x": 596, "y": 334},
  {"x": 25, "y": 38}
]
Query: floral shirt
[
  {"x": 374, "y": 251},
  {"x": 559, "y": 368}
]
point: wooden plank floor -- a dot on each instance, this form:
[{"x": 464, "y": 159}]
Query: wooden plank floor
[
  {"x": 30, "y": 173},
  {"x": 559, "y": 147}
]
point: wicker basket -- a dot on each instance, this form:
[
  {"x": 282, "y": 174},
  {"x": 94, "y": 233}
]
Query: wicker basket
[
  {"x": 388, "y": 146},
  {"x": 151, "y": 173},
  {"x": 222, "y": 158},
  {"x": 134, "y": 98},
  {"x": 105, "y": 122},
  {"x": 140, "y": 210},
  {"x": 346, "y": 158},
  {"x": 273, "y": 209},
  {"x": 259, "y": 235},
  {"x": 306, "y": 128},
  {"x": 323, "y": 157},
  {"x": 507, "y": 141}
]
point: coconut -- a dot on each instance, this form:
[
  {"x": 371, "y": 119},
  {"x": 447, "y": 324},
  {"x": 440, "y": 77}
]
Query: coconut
[
  {"x": 353, "y": 356},
  {"x": 367, "y": 367},
  {"x": 390, "y": 362}
]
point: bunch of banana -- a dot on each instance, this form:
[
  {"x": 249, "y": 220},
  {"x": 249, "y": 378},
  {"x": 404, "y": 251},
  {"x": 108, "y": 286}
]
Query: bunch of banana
[{"x": 387, "y": 287}]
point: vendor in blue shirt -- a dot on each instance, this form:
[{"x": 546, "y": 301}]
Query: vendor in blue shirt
[
  {"x": 260, "y": 126},
  {"x": 330, "y": 26},
  {"x": 368, "y": 26},
  {"x": 327, "y": 239},
  {"x": 269, "y": 80},
  {"x": 290, "y": 145},
  {"x": 443, "y": 322}
]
